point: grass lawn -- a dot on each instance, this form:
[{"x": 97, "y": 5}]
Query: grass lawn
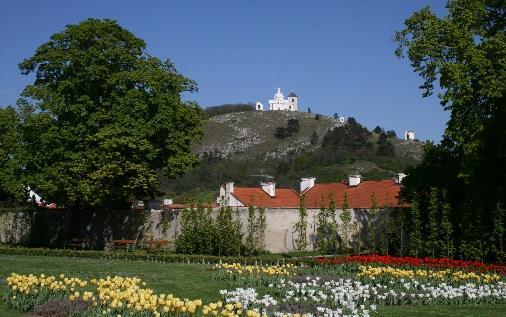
[
  {"x": 444, "y": 311},
  {"x": 6, "y": 312},
  {"x": 188, "y": 280},
  {"x": 184, "y": 280}
]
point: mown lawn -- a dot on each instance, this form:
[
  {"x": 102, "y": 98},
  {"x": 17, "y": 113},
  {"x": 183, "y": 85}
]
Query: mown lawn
[
  {"x": 184, "y": 280},
  {"x": 444, "y": 311},
  {"x": 188, "y": 280}
]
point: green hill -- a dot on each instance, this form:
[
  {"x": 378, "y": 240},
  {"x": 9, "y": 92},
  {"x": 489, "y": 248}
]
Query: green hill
[
  {"x": 246, "y": 135},
  {"x": 236, "y": 146}
]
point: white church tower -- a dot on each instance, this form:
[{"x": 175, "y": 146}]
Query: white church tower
[
  {"x": 280, "y": 103},
  {"x": 292, "y": 99}
]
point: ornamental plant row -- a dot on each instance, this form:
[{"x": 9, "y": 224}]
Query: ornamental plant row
[
  {"x": 153, "y": 256},
  {"x": 415, "y": 262}
]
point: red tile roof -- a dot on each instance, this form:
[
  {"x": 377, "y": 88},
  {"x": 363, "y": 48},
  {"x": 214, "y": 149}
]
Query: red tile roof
[
  {"x": 385, "y": 191},
  {"x": 285, "y": 198}
]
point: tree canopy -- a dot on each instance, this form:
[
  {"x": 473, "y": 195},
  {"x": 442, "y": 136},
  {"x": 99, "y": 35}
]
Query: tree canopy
[
  {"x": 11, "y": 156},
  {"x": 464, "y": 53},
  {"x": 352, "y": 137},
  {"x": 103, "y": 119},
  {"x": 229, "y": 108}
]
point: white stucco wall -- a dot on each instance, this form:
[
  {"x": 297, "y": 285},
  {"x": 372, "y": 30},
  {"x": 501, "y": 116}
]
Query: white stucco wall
[
  {"x": 279, "y": 234},
  {"x": 409, "y": 135}
]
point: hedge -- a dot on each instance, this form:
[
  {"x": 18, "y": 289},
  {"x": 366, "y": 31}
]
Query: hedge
[{"x": 156, "y": 256}]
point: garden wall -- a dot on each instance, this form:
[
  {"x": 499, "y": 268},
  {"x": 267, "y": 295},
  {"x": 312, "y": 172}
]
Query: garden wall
[
  {"x": 52, "y": 228},
  {"x": 280, "y": 234}
]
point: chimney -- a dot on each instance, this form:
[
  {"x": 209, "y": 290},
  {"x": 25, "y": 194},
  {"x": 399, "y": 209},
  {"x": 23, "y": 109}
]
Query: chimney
[
  {"x": 400, "y": 177},
  {"x": 306, "y": 183},
  {"x": 354, "y": 180},
  {"x": 269, "y": 188},
  {"x": 229, "y": 188}
]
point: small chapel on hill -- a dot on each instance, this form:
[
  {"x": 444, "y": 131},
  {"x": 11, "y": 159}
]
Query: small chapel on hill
[{"x": 280, "y": 103}]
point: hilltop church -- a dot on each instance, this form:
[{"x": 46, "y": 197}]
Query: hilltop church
[{"x": 280, "y": 103}]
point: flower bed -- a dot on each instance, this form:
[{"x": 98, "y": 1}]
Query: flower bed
[
  {"x": 348, "y": 297},
  {"x": 112, "y": 296},
  {"x": 346, "y": 289},
  {"x": 252, "y": 275},
  {"x": 287, "y": 295},
  {"x": 366, "y": 287},
  {"x": 271, "y": 270},
  {"x": 426, "y": 274},
  {"x": 415, "y": 262}
]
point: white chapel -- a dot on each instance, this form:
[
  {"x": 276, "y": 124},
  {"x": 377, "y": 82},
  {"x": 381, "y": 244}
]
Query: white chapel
[{"x": 280, "y": 103}]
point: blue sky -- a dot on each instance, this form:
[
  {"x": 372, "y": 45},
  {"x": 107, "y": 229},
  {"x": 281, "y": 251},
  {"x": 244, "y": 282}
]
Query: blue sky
[{"x": 336, "y": 55}]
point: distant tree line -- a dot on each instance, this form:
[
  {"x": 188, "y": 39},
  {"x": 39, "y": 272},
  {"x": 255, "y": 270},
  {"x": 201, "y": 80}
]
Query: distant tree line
[
  {"x": 388, "y": 133},
  {"x": 228, "y": 108}
]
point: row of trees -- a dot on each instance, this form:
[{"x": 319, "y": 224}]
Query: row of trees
[
  {"x": 388, "y": 133},
  {"x": 463, "y": 54},
  {"x": 229, "y": 108},
  {"x": 427, "y": 228},
  {"x": 338, "y": 231}
]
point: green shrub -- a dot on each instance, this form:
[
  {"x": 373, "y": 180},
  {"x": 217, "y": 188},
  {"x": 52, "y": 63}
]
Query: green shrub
[
  {"x": 202, "y": 234},
  {"x": 157, "y": 256}
]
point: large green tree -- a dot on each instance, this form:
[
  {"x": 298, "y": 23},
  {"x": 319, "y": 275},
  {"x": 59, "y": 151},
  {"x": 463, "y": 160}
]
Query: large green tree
[
  {"x": 464, "y": 54},
  {"x": 103, "y": 119},
  {"x": 11, "y": 156}
]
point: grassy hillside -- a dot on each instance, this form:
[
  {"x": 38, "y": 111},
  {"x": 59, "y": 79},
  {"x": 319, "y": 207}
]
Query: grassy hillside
[
  {"x": 246, "y": 135},
  {"x": 238, "y": 145}
]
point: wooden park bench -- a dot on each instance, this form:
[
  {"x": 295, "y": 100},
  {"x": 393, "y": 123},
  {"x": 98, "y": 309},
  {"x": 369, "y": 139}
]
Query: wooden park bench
[
  {"x": 157, "y": 244},
  {"x": 75, "y": 244},
  {"x": 125, "y": 244}
]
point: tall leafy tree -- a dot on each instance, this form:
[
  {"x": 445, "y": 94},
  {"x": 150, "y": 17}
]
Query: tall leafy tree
[
  {"x": 103, "y": 119},
  {"x": 432, "y": 243},
  {"x": 346, "y": 226},
  {"x": 334, "y": 227},
  {"x": 11, "y": 157},
  {"x": 372, "y": 224},
  {"x": 326, "y": 227},
  {"x": 498, "y": 232},
  {"x": 446, "y": 228},
  {"x": 415, "y": 235},
  {"x": 301, "y": 226},
  {"x": 322, "y": 229},
  {"x": 464, "y": 54}
]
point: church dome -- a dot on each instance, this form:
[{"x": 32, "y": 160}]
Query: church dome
[
  {"x": 292, "y": 94},
  {"x": 279, "y": 95}
]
